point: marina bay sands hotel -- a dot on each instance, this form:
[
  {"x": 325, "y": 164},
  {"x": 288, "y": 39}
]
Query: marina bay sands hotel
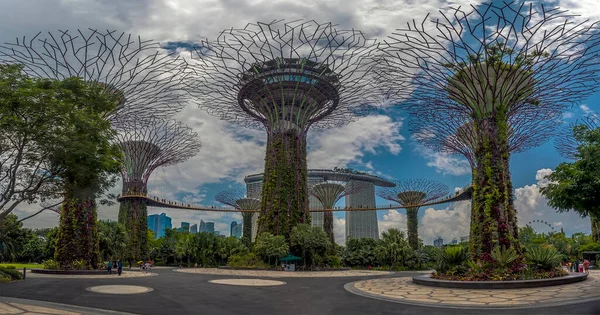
[{"x": 359, "y": 224}]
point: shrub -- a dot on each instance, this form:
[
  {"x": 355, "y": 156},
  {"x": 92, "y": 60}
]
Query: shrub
[
  {"x": 334, "y": 261},
  {"x": 11, "y": 273},
  {"x": 80, "y": 265},
  {"x": 453, "y": 259},
  {"x": 542, "y": 258},
  {"x": 51, "y": 264},
  {"x": 4, "y": 278},
  {"x": 246, "y": 261},
  {"x": 504, "y": 257}
]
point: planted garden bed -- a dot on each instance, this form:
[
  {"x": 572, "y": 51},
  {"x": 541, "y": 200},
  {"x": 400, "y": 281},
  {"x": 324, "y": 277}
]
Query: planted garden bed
[{"x": 510, "y": 284}]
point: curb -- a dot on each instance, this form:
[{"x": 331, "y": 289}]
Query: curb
[
  {"x": 350, "y": 288},
  {"x": 63, "y": 307}
]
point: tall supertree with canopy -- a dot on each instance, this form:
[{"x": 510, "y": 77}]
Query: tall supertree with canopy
[
  {"x": 330, "y": 192},
  {"x": 143, "y": 82},
  {"x": 566, "y": 144},
  {"x": 147, "y": 144},
  {"x": 286, "y": 78},
  {"x": 238, "y": 199},
  {"x": 410, "y": 193},
  {"x": 483, "y": 69}
]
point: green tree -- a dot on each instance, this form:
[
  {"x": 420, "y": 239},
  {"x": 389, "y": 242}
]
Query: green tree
[
  {"x": 268, "y": 246},
  {"x": 393, "y": 248},
  {"x": 113, "y": 240},
  {"x": 12, "y": 238},
  {"x": 575, "y": 186},
  {"x": 311, "y": 241},
  {"x": 33, "y": 250},
  {"x": 359, "y": 252}
]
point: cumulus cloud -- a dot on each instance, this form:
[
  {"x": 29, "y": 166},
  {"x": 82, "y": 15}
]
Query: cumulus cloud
[
  {"x": 444, "y": 163},
  {"x": 339, "y": 230}
]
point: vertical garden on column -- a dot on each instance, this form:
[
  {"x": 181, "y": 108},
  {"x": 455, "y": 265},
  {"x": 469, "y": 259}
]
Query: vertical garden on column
[
  {"x": 147, "y": 144},
  {"x": 136, "y": 81},
  {"x": 285, "y": 78},
  {"x": 483, "y": 81}
]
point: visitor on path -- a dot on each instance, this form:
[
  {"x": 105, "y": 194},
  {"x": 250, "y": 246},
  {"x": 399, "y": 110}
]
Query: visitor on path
[
  {"x": 581, "y": 267},
  {"x": 576, "y": 265},
  {"x": 569, "y": 266},
  {"x": 119, "y": 267},
  {"x": 130, "y": 265},
  {"x": 586, "y": 265},
  {"x": 110, "y": 267}
]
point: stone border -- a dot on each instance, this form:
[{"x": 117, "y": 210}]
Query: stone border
[
  {"x": 283, "y": 274},
  {"x": 101, "y": 289},
  {"x": 426, "y": 280},
  {"x": 248, "y": 282},
  {"x": 69, "y": 272}
]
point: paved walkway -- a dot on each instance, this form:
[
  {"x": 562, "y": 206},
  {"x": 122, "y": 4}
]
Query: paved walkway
[
  {"x": 22, "y": 306},
  {"x": 285, "y": 274},
  {"x": 114, "y": 275},
  {"x": 403, "y": 290}
]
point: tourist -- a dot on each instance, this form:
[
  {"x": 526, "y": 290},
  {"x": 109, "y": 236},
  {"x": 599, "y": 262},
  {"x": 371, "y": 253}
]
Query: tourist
[
  {"x": 586, "y": 265},
  {"x": 110, "y": 267},
  {"x": 196, "y": 265},
  {"x": 581, "y": 267},
  {"x": 576, "y": 265},
  {"x": 119, "y": 267}
]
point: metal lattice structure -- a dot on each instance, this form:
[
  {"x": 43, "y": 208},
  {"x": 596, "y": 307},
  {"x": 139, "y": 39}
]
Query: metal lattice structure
[
  {"x": 148, "y": 144},
  {"x": 286, "y": 78},
  {"x": 566, "y": 144},
  {"x": 485, "y": 78},
  {"x": 238, "y": 199},
  {"x": 411, "y": 193},
  {"x": 146, "y": 81},
  {"x": 330, "y": 192}
]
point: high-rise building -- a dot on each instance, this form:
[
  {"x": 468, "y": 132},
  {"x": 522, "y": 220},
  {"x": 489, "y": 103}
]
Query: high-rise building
[
  {"x": 207, "y": 227},
  {"x": 158, "y": 224},
  {"x": 236, "y": 230},
  {"x": 194, "y": 228},
  {"x": 454, "y": 241},
  {"x": 185, "y": 227},
  {"x": 438, "y": 242},
  {"x": 464, "y": 239},
  {"x": 359, "y": 224}
]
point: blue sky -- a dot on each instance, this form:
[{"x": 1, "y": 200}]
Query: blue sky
[{"x": 380, "y": 143}]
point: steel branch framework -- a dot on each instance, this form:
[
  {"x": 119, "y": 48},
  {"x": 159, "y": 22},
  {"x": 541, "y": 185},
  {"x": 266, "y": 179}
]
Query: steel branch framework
[
  {"x": 286, "y": 78},
  {"x": 238, "y": 199},
  {"x": 566, "y": 144},
  {"x": 485, "y": 80},
  {"x": 147, "y": 82}
]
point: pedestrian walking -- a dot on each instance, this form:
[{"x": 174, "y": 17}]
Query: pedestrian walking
[
  {"x": 586, "y": 265},
  {"x": 110, "y": 267},
  {"x": 576, "y": 265},
  {"x": 119, "y": 267}
]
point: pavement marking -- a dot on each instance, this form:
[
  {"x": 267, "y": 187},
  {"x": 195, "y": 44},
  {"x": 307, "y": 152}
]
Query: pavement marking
[
  {"x": 285, "y": 274},
  {"x": 403, "y": 290},
  {"x": 119, "y": 289},
  {"x": 248, "y": 282}
]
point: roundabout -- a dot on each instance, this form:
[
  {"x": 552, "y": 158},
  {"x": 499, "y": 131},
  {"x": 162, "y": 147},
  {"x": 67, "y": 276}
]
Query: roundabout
[{"x": 404, "y": 290}]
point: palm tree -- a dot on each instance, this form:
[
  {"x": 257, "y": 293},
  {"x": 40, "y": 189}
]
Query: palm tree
[
  {"x": 113, "y": 239},
  {"x": 393, "y": 248}
]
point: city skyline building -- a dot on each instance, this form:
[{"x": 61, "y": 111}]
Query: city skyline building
[
  {"x": 158, "y": 223},
  {"x": 194, "y": 228},
  {"x": 236, "y": 230},
  {"x": 439, "y": 242},
  {"x": 185, "y": 227},
  {"x": 207, "y": 227}
]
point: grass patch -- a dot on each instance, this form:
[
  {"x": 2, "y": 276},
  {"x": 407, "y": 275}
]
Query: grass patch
[{"x": 21, "y": 266}]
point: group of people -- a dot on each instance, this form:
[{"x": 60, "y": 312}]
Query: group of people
[
  {"x": 578, "y": 266},
  {"x": 145, "y": 267},
  {"x": 119, "y": 266}
]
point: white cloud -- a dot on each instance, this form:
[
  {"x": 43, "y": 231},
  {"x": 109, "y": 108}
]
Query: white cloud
[
  {"x": 339, "y": 230},
  {"x": 444, "y": 163}
]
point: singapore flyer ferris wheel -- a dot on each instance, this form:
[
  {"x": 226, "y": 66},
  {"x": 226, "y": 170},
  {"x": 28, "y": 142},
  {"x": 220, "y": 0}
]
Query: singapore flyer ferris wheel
[{"x": 541, "y": 226}]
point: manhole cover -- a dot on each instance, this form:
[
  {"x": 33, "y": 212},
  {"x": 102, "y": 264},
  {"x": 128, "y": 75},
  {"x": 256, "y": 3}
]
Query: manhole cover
[
  {"x": 248, "y": 282},
  {"x": 119, "y": 289}
]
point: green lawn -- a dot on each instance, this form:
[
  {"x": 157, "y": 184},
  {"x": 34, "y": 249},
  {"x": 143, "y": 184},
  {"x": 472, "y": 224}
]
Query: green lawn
[{"x": 21, "y": 266}]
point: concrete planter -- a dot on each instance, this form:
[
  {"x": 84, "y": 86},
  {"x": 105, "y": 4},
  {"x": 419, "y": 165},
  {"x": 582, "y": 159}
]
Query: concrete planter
[{"x": 486, "y": 285}]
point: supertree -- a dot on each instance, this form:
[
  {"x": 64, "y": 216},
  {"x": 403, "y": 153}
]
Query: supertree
[
  {"x": 330, "y": 192},
  {"x": 142, "y": 82},
  {"x": 147, "y": 144},
  {"x": 483, "y": 69},
  {"x": 238, "y": 199},
  {"x": 286, "y": 78},
  {"x": 410, "y": 193},
  {"x": 566, "y": 144}
]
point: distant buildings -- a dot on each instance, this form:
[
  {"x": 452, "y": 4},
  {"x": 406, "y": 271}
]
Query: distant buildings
[
  {"x": 464, "y": 239},
  {"x": 438, "y": 242},
  {"x": 236, "y": 230},
  {"x": 454, "y": 241},
  {"x": 158, "y": 223},
  {"x": 194, "y": 228},
  {"x": 185, "y": 227},
  {"x": 207, "y": 227}
]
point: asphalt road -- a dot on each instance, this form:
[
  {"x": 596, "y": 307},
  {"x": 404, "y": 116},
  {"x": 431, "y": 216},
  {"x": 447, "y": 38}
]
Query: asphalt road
[{"x": 183, "y": 293}]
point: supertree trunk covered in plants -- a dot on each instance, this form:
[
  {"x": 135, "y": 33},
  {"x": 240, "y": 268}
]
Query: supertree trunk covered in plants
[
  {"x": 286, "y": 78},
  {"x": 330, "y": 192},
  {"x": 410, "y": 193},
  {"x": 144, "y": 81},
  {"x": 237, "y": 198},
  {"x": 147, "y": 144},
  {"x": 77, "y": 238},
  {"x": 500, "y": 70}
]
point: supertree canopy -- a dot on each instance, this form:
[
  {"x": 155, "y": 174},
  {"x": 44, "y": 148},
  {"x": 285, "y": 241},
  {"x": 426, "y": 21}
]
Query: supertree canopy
[
  {"x": 487, "y": 73},
  {"x": 565, "y": 142},
  {"x": 238, "y": 199},
  {"x": 147, "y": 144},
  {"x": 144, "y": 82},
  {"x": 286, "y": 78},
  {"x": 411, "y": 193},
  {"x": 330, "y": 192}
]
